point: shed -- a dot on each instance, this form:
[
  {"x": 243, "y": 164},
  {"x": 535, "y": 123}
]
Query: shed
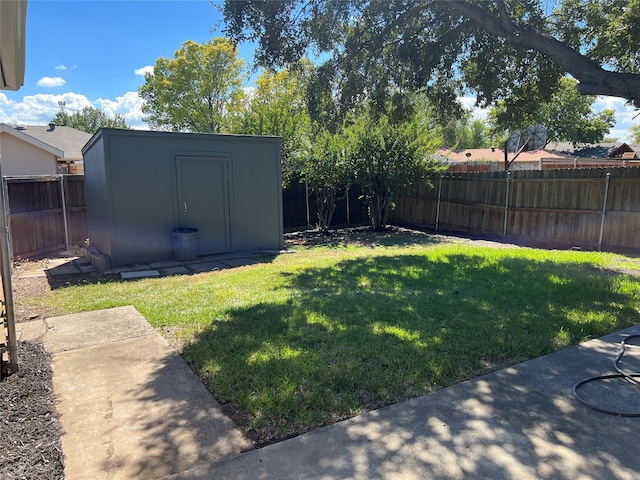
[{"x": 141, "y": 185}]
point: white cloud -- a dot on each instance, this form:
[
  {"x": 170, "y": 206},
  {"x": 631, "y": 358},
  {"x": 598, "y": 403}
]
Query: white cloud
[
  {"x": 469, "y": 103},
  {"x": 51, "y": 82},
  {"x": 41, "y": 108},
  {"x": 624, "y": 116},
  {"x": 128, "y": 105},
  {"x": 144, "y": 70},
  {"x": 60, "y": 67}
]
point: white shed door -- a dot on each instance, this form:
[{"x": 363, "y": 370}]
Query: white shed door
[{"x": 203, "y": 201}]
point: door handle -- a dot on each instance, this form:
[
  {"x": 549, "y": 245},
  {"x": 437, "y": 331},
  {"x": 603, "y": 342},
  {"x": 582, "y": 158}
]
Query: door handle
[{"x": 185, "y": 206}]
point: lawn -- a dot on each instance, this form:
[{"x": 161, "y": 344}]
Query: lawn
[{"x": 327, "y": 332}]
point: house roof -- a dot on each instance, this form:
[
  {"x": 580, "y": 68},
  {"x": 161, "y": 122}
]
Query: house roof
[
  {"x": 497, "y": 155},
  {"x": 63, "y": 142},
  {"x": 601, "y": 150}
]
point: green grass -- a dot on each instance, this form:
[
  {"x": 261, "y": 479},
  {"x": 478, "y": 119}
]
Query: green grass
[{"x": 323, "y": 334}]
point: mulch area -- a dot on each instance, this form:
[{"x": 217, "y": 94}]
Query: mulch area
[{"x": 30, "y": 427}]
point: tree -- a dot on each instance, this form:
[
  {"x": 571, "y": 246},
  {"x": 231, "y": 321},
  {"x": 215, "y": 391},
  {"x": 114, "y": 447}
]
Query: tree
[
  {"x": 499, "y": 49},
  {"x": 326, "y": 170},
  {"x": 634, "y": 133},
  {"x": 195, "y": 90},
  {"x": 466, "y": 133},
  {"x": 278, "y": 107},
  {"x": 89, "y": 119},
  {"x": 389, "y": 159},
  {"x": 567, "y": 116}
]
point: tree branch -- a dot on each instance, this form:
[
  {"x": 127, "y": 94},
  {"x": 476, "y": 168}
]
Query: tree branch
[{"x": 594, "y": 80}]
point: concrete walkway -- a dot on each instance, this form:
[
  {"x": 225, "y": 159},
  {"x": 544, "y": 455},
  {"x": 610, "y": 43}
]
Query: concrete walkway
[{"x": 132, "y": 409}]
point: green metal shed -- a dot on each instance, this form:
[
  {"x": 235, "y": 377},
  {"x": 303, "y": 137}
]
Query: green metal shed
[{"x": 142, "y": 185}]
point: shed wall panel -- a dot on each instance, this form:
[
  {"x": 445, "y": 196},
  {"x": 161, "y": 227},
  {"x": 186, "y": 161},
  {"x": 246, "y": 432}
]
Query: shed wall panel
[{"x": 134, "y": 200}]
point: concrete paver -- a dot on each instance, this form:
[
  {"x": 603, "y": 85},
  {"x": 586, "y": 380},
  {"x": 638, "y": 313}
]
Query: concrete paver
[{"x": 139, "y": 274}]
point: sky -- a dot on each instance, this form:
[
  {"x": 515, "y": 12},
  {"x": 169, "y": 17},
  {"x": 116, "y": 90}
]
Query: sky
[{"x": 95, "y": 53}]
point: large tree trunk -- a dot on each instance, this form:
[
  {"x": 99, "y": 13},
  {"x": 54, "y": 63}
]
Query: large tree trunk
[{"x": 594, "y": 80}]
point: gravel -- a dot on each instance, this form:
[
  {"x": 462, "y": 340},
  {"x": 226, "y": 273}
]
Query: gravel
[{"x": 30, "y": 427}]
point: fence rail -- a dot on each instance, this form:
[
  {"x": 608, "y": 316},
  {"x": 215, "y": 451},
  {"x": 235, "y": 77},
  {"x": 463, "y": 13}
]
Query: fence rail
[{"x": 590, "y": 208}]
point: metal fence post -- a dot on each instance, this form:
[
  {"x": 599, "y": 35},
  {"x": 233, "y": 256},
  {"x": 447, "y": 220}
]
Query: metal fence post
[
  {"x": 6, "y": 261},
  {"x": 64, "y": 213},
  {"x": 604, "y": 209},
  {"x": 438, "y": 203},
  {"x": 506, "y": 206}
]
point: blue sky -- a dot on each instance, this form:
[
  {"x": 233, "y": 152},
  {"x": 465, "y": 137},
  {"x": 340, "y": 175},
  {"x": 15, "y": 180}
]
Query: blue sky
[{"x": 94, "y": 52}]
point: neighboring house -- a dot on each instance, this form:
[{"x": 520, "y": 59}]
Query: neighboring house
[
  {"x": 41, "y": 150},
  {"x": 493, "y": 159},
  {"x": 555, "y": 155}
]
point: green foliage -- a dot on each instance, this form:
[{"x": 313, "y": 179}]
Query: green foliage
[
  {"x": 89, "y": 119},
  {"x": 278, "y": 107},
  {"x": 567, "y": 116},
  {"x": 196, "y": 89},
  {"x": 389, "y": 159},
  {"x": 327, "y": 171},
  {"x": 501, "y": 50},
  {"x": 608, "y": 30},
  {"x": 467, "y": 133},
  {"x": 634, "y": 132}
]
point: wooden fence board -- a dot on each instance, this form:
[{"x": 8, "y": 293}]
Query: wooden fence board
[
  {"x": 37, "y": 214},
  {"x": 561, "y": 207}
]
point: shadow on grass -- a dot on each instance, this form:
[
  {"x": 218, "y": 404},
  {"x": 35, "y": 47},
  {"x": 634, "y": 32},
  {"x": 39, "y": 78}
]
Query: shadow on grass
[{"x": 369, "y": 332}]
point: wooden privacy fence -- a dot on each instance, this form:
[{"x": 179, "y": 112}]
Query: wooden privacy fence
[
  {"x": 590, "y": 208},
  {"x": 46, "y": 214},
  {"x": 300, "y": 209}
]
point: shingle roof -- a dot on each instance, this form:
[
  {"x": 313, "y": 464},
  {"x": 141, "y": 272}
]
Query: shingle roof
[
  {"x": 497, "y": 155},
  {"x": 67, "y": 139}
]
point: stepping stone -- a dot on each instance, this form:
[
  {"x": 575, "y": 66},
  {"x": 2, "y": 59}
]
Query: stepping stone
[
  {"x": 207, "y": 267},
  {"x": 139, "y": 274},
  {"x": 181, "y": 270}
]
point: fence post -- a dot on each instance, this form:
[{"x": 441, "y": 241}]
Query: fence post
[
  {"x": 6, "y": 259},
  {"x": 348, "y": 216},
  {"x": 506, "y": 206},
  {"x": 604, "y": 209},
  {"x": 306, "y": 197},
  {"x": 64, "y": 213},
  {"x": 438, "y": 203}
]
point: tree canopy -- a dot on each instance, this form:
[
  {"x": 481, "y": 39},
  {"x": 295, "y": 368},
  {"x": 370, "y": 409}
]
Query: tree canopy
[
  {"x": 277, "y": 106},
  {"x": 194, "y": 91},
  {"x": 567, "y": 117},
  {"x": 89, "y": 119},
  {"x": 508, "y": 49},
  {"x": 634, "y": 132}
]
